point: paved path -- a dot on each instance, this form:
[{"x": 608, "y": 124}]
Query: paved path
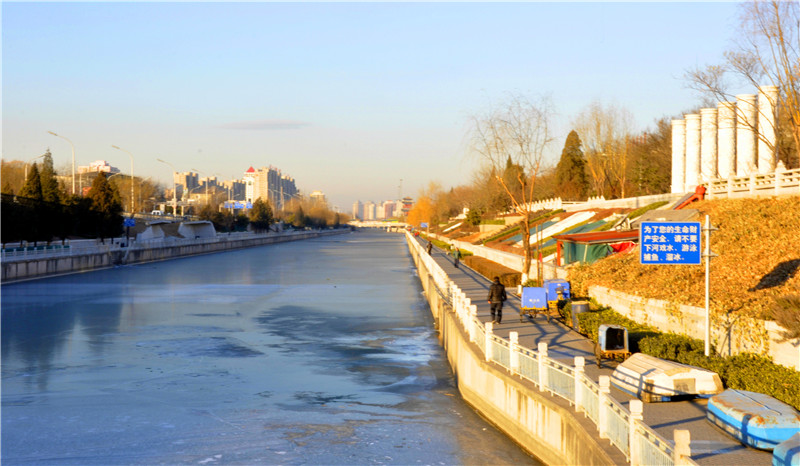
[{"x": 709, "y": 444}]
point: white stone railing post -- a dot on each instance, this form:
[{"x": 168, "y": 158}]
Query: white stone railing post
[
  {"x": 580, "y": 364},
  {"x": 513, "y": 352},
  {"x": 473, "y": 315},
  {"x": 465, "y": 304},
  {"x": 488, "y": 343},
  {"x": 682, "y": 452},
  {"x": 602, "y": 411},
  {"x": 752, "y": 184},
  {"x": 635, "y": 419},
  {"x": 543, "y": 378}
]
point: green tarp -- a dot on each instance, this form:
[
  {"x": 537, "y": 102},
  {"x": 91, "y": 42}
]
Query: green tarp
[{"x": 584, "y": 253}]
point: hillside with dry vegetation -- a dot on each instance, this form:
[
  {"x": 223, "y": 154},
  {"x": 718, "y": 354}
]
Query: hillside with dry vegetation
[{"x": 758, "y": 247}]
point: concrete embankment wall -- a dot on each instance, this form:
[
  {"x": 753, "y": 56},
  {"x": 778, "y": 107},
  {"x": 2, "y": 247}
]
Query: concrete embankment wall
[
  {"x": 56, "y": 265},
  {"x": 543, "y": 425}
]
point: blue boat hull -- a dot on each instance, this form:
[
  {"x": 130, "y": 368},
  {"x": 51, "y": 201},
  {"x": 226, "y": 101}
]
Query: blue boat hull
[{"x": 755, "y": 419}]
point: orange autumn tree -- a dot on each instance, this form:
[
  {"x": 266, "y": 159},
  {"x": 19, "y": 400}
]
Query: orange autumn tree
[{"x": 422, "y": 212}]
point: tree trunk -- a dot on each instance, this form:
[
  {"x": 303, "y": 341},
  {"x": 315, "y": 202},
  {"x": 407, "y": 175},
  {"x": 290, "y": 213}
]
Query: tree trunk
[{"x": 526, "y": 245}]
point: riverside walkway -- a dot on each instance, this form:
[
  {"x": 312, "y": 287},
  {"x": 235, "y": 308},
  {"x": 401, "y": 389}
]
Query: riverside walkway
[{"x": 709, "y": 445}]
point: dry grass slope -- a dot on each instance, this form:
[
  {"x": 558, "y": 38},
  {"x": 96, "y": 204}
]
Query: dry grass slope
[{"x": 758, "y": 244}]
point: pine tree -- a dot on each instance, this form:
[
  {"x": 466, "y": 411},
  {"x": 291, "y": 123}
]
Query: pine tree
[
  {"x": 33, "y": 185},
  {"x": 261, "y": 216},
  {"x": 572, "y": 183},
  {"x": 50, "y": 191},
  {"x": 107, "y": 204}
]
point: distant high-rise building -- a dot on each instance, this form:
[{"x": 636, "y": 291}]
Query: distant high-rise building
[
  {"x": 185, "y": 182},
  {"x": 235, "y": 188},
  {"x": 369, "y": 210},
  {"x": 358, "y": 211},
  {"x": 269, "y": 184},
  {"x": 318, "y": 198}
]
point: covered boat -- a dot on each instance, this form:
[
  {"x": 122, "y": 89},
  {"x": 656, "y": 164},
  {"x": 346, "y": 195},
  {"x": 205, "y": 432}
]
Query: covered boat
[{"x": 757, "y": 420}]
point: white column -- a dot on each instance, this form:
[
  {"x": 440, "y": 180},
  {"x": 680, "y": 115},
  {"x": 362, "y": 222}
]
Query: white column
[
  {"x": 745, "y": 134},
  {"x": 692, "y": 178},
  {"x": 678, "y": 155},
  {"x": 513, "y": 353},
  {"x": 767, "y": 98},
  {"x": 580, "y": 364},
  {"x": 602, "y": 411},
  {"x": 708, "y": 144},
  {"x": 543, "y": 376},
  {"x": 726, "y": 142},
  {"x": 488, "y": 341},
  {"x": 636, "y": 417}
]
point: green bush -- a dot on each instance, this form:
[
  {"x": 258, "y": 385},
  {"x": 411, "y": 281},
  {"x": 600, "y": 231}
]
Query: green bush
[
  {"x": 641, "y": 210},
  {"x": 742, "y": 371},
  {"x": 590, "y": 322}
]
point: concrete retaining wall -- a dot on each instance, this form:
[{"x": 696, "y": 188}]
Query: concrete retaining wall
[
  {"x": 543, "y": 425},
  {"x": 730, "y": 334},
  {"x": 47, "y": 266}
]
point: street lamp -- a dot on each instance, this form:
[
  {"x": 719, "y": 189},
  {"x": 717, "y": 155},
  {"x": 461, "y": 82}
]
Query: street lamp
[
  {"x": 132, "y": 206},
  {"x": 29, "y": 162},
  {"x": 73, "y": 158},
  {"x": 174, "y": 188}
]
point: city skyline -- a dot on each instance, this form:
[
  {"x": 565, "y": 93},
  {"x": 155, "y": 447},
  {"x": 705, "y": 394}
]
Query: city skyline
[{"x": 348, "y": 98}]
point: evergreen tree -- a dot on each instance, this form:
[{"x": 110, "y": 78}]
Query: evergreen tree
[
  {"x": 261, "y": 216},
  {"x": 107, "y": 205},
  {"x": 299, "y": 218},
  {"x": 572, "y": 183},
  {"x": 7, "y": 189},
  {"x": 50, "y": 191},
  {"x": 33, "y": 185}
]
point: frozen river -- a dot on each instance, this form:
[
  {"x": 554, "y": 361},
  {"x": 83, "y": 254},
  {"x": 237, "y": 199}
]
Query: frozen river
[{"x": 312, "y": 352}]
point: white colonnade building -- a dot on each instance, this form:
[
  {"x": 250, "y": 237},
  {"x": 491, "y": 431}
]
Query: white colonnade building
[{"x": 735, "y": 139}]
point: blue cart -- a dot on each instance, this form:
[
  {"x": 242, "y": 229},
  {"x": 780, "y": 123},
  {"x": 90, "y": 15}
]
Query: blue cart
[{"x": 534, "y": 301}]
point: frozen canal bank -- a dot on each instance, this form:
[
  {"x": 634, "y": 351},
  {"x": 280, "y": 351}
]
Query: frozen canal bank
[{"x": 318, "y": 352}]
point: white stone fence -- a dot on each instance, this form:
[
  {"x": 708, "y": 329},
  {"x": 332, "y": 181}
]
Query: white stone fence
[
  {"x": 625, "y": 429},
  {"x": 779, "y": 183}
]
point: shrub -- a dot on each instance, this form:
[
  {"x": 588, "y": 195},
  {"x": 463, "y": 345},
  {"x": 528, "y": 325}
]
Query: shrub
[
  {"x": 590, "y": 322},
  {"x": 742, "y": 371},
  {"x": 489, "y": 269}
]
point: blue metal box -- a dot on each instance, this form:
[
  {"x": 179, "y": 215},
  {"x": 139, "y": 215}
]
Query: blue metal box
[
  {"x": 757, "y": 420},
  {"x": 554, "y": 286},
  {"x": 534, "y": 298}
]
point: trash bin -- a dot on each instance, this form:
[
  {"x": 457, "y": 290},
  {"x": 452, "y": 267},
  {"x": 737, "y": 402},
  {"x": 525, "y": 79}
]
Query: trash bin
[
  {"x": 578, "y": 307},
  {"x": 612, "y": 338}
]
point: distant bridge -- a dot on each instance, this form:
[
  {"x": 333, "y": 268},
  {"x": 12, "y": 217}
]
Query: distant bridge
[{"x": 388, "y": 226}]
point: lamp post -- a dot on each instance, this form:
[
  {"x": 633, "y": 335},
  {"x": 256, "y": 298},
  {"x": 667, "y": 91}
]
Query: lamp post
[
  {"x": 174, "y": 189},
  {"x": 29, "y": 162},
  {"x": 73, "y": 158},
  {"x": 132, "y": 206}
]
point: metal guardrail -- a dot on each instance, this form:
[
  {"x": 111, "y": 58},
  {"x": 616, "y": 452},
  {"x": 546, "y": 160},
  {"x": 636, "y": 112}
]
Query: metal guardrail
[
  {"x": 19, "y": 253},
  {"x": 639, "y": 443}
]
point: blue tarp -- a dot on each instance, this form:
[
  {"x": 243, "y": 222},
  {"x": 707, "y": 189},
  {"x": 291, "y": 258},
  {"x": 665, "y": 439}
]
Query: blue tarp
[
  {"x": 518, "y": 237},
  {"x": 579, "y": 229}
]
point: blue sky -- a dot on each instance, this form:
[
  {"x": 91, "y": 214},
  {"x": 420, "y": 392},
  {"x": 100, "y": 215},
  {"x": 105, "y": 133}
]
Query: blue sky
[{"x": 348, "y": 98}]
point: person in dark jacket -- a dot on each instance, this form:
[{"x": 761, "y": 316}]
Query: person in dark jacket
[
  {"x": 497, "y": 294},
  {"x": 429, "y": 247}
]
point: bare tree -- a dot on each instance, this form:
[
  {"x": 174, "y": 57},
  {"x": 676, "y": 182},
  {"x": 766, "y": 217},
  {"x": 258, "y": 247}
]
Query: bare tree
[
  {"x": 605, "y": 131},
  {"x": 516, "y": 132},
  {"x": 765, "y": 51}
]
